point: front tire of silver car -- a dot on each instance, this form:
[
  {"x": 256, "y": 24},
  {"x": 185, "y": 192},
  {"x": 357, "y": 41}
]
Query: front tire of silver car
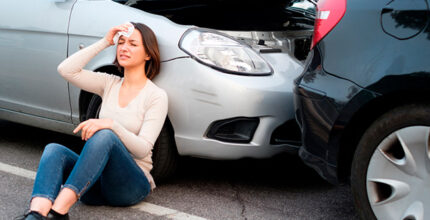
[
  {"x": 94, "y": 106},
  {"x": 165, "y": 156},
  {"x": 390, "y": 176}
]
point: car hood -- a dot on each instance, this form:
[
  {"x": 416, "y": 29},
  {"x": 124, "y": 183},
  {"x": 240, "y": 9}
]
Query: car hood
[{"x": 237, "y": 15}]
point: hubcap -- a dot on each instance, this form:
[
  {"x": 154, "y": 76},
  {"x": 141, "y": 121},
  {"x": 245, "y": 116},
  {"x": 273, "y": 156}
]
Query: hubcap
[{"x": 398, "y": 175}]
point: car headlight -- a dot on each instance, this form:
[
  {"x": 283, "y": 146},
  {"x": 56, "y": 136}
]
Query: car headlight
[{"x": 223, "y": 53}]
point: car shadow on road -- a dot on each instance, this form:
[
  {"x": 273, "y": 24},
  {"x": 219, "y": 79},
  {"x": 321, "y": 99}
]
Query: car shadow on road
[
  {"x": 38, "y": 138},
  {"x": 277, "y": 172}
]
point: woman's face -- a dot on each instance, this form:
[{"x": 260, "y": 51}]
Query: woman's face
[{"x": 130, "y": 51}]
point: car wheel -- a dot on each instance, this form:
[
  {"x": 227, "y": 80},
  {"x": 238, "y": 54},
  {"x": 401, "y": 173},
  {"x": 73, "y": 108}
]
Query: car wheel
[
  {"x": 165, "y": 157},
  {"x": 390, "y": 175},
  {"x": 94, "y": 107}
]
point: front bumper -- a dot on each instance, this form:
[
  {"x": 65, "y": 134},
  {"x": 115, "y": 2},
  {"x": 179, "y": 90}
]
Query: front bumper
[{"x": 200, "y": 95}]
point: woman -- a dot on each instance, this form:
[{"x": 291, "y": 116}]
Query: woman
[{"x": 115, "y": 163}]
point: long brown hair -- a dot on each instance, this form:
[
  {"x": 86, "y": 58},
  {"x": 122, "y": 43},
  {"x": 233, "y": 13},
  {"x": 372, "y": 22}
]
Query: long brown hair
[{"x": 150, "y": 44}]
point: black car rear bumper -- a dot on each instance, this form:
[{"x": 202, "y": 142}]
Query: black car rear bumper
[
  {"x": 316, "y": 125},
  {"x": 324, "y": 103}
]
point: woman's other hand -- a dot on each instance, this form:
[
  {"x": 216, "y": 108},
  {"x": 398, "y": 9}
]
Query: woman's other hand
[
  {"x": 111, "y": 33},
  {"x": 91, "y": 126}
]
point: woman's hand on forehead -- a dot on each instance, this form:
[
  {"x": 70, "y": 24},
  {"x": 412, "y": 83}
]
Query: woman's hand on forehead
[{"x": 114, "y": 30}]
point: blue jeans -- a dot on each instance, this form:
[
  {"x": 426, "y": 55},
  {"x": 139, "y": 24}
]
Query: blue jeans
[{"x": 104, "y": 173}]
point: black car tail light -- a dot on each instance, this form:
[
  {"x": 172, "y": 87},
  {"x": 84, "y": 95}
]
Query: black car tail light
[{"x": 329, "y": 13}]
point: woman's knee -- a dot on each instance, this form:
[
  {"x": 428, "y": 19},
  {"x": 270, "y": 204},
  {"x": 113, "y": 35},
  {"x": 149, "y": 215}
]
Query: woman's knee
[
  {"x": 53, "y": 149},
  {"x": 102, "y": 140},
  {"x": 104, "y": 134}
]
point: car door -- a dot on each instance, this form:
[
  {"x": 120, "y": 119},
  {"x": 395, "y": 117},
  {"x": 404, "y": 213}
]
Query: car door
[{"x": 33, "y": 41}]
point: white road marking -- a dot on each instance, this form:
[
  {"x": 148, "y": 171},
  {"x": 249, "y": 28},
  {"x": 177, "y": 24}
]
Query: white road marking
[
  {"x": 142, "y": 206},
  {"x": 17, "y": 171},
  {"x": 163, "y": 211}
]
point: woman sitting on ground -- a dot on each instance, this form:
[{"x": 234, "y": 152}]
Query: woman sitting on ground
[{"x": 115, "y": 163}]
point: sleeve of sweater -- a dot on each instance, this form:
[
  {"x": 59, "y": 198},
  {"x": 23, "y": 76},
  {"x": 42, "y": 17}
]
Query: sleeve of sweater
[
  {"x": 72, "y": 69},
  {"x": 141, "y": 145}
]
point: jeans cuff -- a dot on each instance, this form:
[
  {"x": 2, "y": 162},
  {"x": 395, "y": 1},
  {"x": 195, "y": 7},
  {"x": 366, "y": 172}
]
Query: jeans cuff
[
  {"x": 74, "y": 188},
  {"x": 43, "y": 196}
]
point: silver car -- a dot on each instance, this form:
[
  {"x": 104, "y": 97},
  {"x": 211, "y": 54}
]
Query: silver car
[{"x": 229, "y": 96}]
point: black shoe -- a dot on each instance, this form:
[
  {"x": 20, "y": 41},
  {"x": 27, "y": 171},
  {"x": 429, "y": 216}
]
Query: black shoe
[
  {"x": 53, "y": 215},
  {"x": 31, "y": 215}
]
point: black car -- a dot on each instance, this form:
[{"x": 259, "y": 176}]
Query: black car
[{"x": 363, "y": 104}]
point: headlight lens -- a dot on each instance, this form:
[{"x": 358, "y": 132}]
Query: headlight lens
[{"x": 223, "y": 53}]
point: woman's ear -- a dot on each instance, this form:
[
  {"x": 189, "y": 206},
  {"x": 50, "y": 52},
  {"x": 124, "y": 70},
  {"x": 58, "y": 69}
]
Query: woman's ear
[{"x": 147, "y": 57}]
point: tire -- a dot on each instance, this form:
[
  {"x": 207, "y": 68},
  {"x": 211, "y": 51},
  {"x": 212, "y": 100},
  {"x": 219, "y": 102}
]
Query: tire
[
  {"x": 94, "y": 106},
  {"x": 390, "y": 172},
  {"x": 165, "y": 157}
]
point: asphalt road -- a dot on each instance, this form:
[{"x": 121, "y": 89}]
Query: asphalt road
[{"x": 277, "y": 188}]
